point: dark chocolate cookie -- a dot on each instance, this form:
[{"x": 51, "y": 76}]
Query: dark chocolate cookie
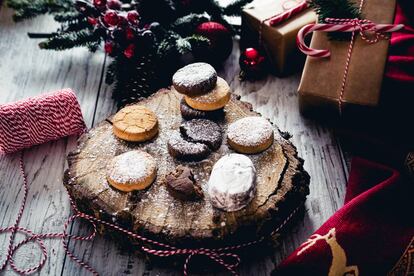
[
  {"x": 195, "y": 79},
  {"x": 188, "y": 113},
  {"x": 202, "y": 131},
  {"x": 185, "y": 150},
  {"x": 182, "y": 185}
]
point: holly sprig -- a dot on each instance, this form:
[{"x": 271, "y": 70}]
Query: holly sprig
[{"x": 144, "y": 38}]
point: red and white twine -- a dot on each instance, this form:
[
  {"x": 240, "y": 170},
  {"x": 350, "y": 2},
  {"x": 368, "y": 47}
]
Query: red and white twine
[
  {"x": 223, "y": 255},
  {"x": 365, "y": 28},
  {"x": 52, "y": 116},
  {"x": 39, "y": 119}
]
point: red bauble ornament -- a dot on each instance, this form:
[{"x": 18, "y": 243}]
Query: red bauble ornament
[
  {"x": 111, "y": 18},
  {"x": 252, "y": 63},
  {"x": 114, "y": 4},
  {"x": 221, "y": 42},
  {"x": 251, "y": 55},
  {"x": 133, "y": 17},
  {"x": 129, "y": 51}
]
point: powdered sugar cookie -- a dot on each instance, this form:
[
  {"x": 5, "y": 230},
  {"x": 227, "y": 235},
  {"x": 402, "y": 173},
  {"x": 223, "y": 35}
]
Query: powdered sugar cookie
[
  {"x": 195, "y": 79},
  {"x": 189, "y": 113},
  {"x": 232, "y": 182},
  {"x": 250, "y": 135},
  {"x": 185, "y": 150},
  {"x": 132, "y": 170},
  {"x": 213, "y": 100}
]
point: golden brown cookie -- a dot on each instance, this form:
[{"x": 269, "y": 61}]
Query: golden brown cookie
[
  {"x": 132, "y": 170},
  {"x": 135, "y": 123},
  {"x": 250, "y": 135},
  {"x": 213, "y": 100}
]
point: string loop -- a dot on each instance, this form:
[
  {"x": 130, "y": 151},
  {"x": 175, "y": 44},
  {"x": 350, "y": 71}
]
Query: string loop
[{"x": 224, "y": 256}]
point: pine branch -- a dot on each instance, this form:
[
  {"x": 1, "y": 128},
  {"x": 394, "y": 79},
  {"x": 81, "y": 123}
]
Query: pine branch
[
  {"x": 68, "y": 40},
  {"x": 68, "y": 16},
  {"x": 183, "y": 45},
  {"x": 25, "y": 9},
  {"x": 335, "y": 9},
  {"x": 235, "y": 8},
  {"x": 187, "y": 24},
  {"x": 75, "y": 25}
]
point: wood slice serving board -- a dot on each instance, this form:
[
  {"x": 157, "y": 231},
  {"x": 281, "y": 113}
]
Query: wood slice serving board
[{"x": 282, "y": 183}]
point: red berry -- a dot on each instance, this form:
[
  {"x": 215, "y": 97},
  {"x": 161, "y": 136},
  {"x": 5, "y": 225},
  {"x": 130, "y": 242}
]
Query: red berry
[
  {"x": 114, "y": 4},
  {"x": 129, "y": 33},
  {"x": 111, "y": 18},
  {"x": 129, "y": 51},
  {"x": 251, "y": 53},
  {"x": 92, "y": 20},
  {"x": 109, "y": 47},
  {"x": 133, "y": 17},
  {"x": 99, "y": 3},
  {"x": 122, "y": 20}
]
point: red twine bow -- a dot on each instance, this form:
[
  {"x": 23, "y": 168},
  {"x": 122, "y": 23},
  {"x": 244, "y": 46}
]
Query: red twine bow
[{"x": 363, "y": 26}]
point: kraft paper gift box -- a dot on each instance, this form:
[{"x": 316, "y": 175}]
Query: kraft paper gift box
[
  {"x": 278, "y": 42},
  {"x": 320, "y": 85}
]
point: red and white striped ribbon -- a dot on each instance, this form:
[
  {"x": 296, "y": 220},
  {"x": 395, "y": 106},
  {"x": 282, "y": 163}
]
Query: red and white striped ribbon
[
  {"x": 362, "y": 26},
  {"x": 273, "y": 21}
]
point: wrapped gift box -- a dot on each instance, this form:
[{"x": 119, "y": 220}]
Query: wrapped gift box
[
  {"x": 278, "y": 42},
  {"x": 320, "y": 86}
]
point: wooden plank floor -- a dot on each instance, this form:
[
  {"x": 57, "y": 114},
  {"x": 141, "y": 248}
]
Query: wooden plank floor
[{"x": 26, "y": 71}]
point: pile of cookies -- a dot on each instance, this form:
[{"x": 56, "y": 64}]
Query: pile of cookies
[{"x": 232, "y": 182}]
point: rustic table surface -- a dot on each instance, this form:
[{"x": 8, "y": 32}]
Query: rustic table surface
[{"x": 25, "y": 71}]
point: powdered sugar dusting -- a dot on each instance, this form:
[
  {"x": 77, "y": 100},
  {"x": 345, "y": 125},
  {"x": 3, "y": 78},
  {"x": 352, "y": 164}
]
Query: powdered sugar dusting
[
  {"x": 250, "y": 131},
  {"x": 200, "y": 75},
  {"x": 232, "y": 182},
  {"x": 131, "y": 167}
]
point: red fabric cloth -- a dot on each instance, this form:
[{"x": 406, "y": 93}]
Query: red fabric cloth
[
  {"x": 400, "y": 66},
  {"x": 371, "y": 230}
]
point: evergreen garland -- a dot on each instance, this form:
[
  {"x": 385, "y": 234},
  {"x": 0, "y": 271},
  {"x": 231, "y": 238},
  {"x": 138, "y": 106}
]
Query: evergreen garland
[
  {"x": 147, "y": 40},
  {"x": 335, "y": 9}
]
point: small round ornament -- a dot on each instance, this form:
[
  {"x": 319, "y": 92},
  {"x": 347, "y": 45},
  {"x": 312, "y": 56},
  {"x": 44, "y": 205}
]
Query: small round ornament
[
  {"x": 252, "y": 63},
  {"x": 221, "y": 42}
]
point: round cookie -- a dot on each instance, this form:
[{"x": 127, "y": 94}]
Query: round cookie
[
  {"x": 135, "y": 123},
  {"x": 189, "y": 113},
  {"x": 132, "y": 170},
  {"x": 213, "y": 100},
  {"x": 184, "y": 150},
  {"x": 250, "y": 135},
  {"x": 202, "y": 131},
  {"x": 195, "y": 79},
  {"x": 232, "y": 182}
]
